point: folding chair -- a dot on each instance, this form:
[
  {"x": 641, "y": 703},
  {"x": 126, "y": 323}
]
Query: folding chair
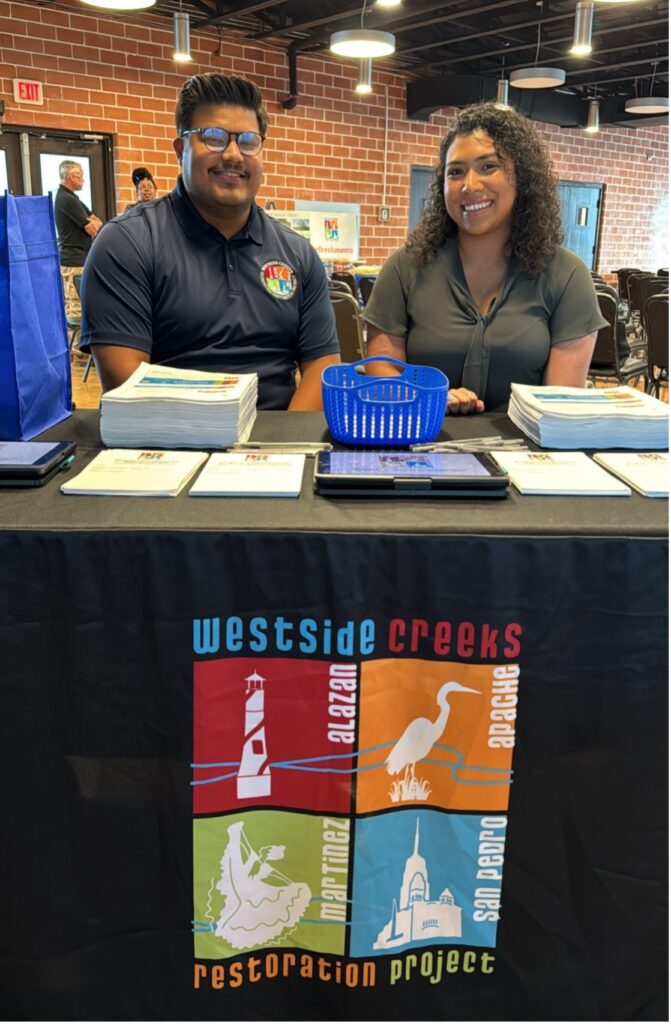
[
  {"x": 347, "y": 279},
  {"x": 348, "y": 327},
  {"x": 366, "y": 288},
  {"x": 657, "y": 316},
  {"x": 608, "y": 360}
]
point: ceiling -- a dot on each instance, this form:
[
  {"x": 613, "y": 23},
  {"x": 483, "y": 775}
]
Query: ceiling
[{"x": 458, "y": 37}]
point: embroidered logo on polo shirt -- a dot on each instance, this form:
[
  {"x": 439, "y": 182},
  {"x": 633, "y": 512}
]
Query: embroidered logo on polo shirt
[{"x": 279, "y": 279}]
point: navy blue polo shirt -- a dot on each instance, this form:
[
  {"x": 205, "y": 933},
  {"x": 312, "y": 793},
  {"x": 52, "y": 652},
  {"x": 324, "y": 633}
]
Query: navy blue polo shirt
[{"x": 161, "y": 279}]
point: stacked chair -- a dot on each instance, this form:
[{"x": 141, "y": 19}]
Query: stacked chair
[
  {"x": 612, "y": 358},
  {"x": 657, "y": 321}
]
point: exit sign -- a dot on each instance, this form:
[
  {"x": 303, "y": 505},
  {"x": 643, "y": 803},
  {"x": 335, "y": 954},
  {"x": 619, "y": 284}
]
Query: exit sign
[{"x": 28, "y": 92}]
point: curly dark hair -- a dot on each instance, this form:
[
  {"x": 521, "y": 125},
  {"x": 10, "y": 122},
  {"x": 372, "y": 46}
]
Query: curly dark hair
[
  {"x": 213, "y": 89},
  {"x": 536, "y": 221}
]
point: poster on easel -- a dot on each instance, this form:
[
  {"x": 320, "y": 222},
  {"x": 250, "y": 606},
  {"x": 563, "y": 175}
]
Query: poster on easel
[{"x": 333, "y": 234}]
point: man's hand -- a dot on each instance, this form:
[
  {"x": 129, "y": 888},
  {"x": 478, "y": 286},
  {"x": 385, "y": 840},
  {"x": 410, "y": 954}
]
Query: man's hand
[
  {"x": 93, "y": 225},
  {"x": 463, "y": 401}
]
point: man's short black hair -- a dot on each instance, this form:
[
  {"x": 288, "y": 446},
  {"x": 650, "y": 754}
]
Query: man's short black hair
[{"x": 214, "y": 89}]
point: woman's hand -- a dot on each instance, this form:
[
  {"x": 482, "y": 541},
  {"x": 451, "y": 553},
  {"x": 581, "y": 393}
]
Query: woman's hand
[{"x": 462, "y": 401}]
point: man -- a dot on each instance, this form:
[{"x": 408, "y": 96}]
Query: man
[
  {"x": 77, "y": 227},
  {"x": 202, "y": 278}
]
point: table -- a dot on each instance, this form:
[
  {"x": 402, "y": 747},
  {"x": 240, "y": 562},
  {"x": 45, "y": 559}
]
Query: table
[{"x": 209, "y": 714}]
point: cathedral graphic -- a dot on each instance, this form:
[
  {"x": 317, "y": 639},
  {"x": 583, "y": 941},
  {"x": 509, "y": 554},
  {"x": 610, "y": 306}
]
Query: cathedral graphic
[{"x": 416, "y": 917}]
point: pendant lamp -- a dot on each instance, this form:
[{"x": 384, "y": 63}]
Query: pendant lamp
[
  {"x": 362, "y": 42},
  {"x": 181, "y": 29},
  {"x": 648, "y": 104},
  {"x": 365, "y": 82},
  {"x": 582, "y": 29},
  {"x": 120, "y": 5},
  {"x": 535, "y": 77},
  {"x": 592, "y": 125}
]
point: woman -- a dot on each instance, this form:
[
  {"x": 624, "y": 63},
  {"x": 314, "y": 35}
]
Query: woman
[
  {"x": 482, "y": 288},
  {"x": 145, "y": 188}
]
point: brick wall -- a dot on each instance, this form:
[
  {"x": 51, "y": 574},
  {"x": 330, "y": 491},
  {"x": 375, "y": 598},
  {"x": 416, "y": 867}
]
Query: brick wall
[{"x": 114, "y": 74}]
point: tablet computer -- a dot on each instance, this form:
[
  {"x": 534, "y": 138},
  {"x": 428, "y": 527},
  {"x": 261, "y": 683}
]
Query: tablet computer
[
  {"x": 33, "y": 463},
  {"x": 409, "y": 474}
]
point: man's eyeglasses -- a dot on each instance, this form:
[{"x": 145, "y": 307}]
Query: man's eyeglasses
[{"x": 218, "y": 139}]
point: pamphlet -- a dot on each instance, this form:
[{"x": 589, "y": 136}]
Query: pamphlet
[
  {"x": 558, "y": 473},
  {"x": 647, "y": 472},
  {"x": 133, "y": 473},
  {"x": 250, "y": 474}
]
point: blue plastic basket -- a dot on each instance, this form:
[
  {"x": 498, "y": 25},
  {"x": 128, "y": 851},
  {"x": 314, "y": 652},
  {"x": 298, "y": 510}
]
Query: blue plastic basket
[{"x": 384, "y": 411}]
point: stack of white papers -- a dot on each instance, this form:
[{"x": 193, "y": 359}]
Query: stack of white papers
[
  {"x": 249, "y": 475},
  {"x": 558, "y": 473},
  {"x": 163, "y": 407},
  {"x": 142, "y": 474},
  {"x": 647, "y": 472},
  {"x": 621, "y": 417}
]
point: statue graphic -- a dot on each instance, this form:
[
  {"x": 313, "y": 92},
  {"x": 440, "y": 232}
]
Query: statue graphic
[{"x": 261, "y": 904}]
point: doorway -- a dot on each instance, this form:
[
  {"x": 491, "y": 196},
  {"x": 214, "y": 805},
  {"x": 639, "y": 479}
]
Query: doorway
[
  {"x": 420, "y": 179},
  {"x": 580, "y": 204},
  {"x": 29, "y": 159}
]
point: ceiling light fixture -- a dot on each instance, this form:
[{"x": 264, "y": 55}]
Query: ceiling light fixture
[
  {"x": 648, "y": 104},
  {"x": 362, "y": 42},
  {"x": 592, "y": 117},
  {"x": 502, "y": 92},
  {"x": 388, "y": 3},
  {"x": 582, "y": 29},
  {"x": 365, "y": 82},
  {"x": 181, "y": 28},
  {"x": 502, "y": 87},
  {"x": 120, "y": 5},
  {"x": 535, "y": 77}
]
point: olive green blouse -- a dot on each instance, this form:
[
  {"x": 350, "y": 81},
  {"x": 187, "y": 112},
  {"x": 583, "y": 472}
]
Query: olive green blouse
[{"x": 432, "y": 308}]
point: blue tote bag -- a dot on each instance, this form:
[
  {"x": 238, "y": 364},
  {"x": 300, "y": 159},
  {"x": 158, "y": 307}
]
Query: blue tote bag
[{"x": 35, "y": 381}]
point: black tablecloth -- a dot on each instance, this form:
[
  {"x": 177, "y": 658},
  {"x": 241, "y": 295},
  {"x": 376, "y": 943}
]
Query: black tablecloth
[
  {"x": 519, "y": 514},
  {"x": 209, "y": 711}
]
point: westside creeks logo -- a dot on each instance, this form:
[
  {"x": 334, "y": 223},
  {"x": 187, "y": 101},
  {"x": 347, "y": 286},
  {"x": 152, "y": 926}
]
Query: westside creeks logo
[{"x": 353, "y": 812}]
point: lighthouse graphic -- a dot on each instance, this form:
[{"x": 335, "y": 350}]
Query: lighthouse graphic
[{"x": 254, "y": 772}]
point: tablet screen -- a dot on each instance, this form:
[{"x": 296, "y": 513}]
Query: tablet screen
[
  {"x": 26, "y": 453},
  {"x": 405, "y": 464}
]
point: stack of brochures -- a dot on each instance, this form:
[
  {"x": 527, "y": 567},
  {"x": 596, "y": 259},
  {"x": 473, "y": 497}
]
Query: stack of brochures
[
  {"x": 618, "y": 417},
  {"x": 163, "y": 407}
]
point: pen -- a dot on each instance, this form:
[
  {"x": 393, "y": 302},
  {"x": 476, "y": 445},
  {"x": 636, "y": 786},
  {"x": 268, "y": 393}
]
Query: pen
[
  {"x": 473, "y": 444},
  {"x": 66, "y": 463},
  {"x": 282, "y": 447}
]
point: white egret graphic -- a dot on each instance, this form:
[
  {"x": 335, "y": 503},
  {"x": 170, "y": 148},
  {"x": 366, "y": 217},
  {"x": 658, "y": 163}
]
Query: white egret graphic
[{"x": 415, "y": 744}]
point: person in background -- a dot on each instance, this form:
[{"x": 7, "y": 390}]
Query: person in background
[
  {"x": 202, "y": 278},
  {"x": 76, "y": 227},
  {"x": 144, "y": 186},
  {"x": 482, "y": 289}
]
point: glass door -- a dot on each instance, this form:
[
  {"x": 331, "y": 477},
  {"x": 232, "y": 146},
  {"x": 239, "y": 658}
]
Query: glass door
[{"x": 29, "y": 158}]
